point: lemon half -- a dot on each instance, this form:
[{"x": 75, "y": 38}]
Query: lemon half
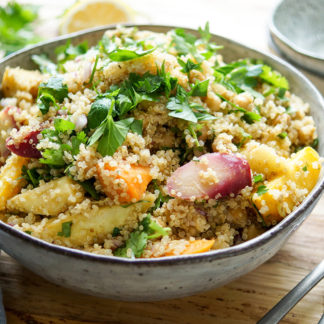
[{"x": 92, "y": 13}]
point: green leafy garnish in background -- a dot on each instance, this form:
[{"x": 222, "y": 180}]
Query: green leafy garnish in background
[
  {"x": 45, "y": 65},
  {"x": 16, "y": 26}
]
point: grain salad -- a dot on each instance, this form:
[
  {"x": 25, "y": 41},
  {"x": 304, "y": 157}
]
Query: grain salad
[{"x": 150, "y": 145}]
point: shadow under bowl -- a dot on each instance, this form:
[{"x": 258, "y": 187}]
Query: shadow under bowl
[{"x": 168, "y": 277}]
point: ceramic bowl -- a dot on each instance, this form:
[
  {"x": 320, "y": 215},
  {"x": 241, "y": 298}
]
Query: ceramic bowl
[
  {"x": 168, "y": 277},
  {"x": 297, "y": 29}
]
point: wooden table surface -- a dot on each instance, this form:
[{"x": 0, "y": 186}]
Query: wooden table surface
[{"x": 30, "y": 299}]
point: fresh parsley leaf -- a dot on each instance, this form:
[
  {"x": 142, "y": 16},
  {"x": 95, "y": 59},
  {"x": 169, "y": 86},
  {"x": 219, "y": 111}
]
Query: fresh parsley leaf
[
  {"x": 63, "y": 125},
  {"x": 99, "y": 111},
  {"x": 251, "y": 117},
  {"x": 93, "y": 70},
  {"x": 69, "y": 52},
  {"x": 115, "y": 232},
  {"x": 262, "y": 190},
  {"x": 52, "y": 91},
  {"x": 66, "y": 229},
  {"x": 44, "y": 63},
  {"x": 98, "y": 133},
  {"x": 200, "y": 89},
  {"x": 258, "y": 178},
  {"x": 76, "y": 141},
  {"x": 114, "y": 135},
  {"x": 31, "y": 176},
  {"x": 54, "y": 157},
  {"x": 121, "y": 55},
  {"x": 282, "y": 135},
  {"x": 179, "y": 106},
  {"x": 89, "y": 187},
  {"x": 274, "y": 77},
  {"x": 137, "y": 241},
  {"x": 137, "y": 126},
  {"x": 189, "y": 65},
  {"x": 304, "y": 168}
]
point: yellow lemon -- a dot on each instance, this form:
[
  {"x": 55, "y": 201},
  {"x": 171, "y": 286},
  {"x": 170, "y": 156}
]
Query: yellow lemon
[{"x": 92, "y": 13}]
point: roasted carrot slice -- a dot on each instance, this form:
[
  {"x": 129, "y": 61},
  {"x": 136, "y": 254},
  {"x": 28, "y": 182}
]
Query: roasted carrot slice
[
  {"x": 194, "y": 247},
  {"x": 198, "y": 246},
  {"x": 136, "y": 178}
]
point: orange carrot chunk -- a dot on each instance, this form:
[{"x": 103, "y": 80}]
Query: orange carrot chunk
[
  {"x": 198, "y": 246},
  {"x": 136, "y": 178}
]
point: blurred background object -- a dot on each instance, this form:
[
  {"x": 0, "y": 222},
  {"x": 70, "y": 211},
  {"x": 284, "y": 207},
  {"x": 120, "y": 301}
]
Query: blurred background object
[
  {"x": 297, "y": 29},
  {"x": 17, "y": 25}
]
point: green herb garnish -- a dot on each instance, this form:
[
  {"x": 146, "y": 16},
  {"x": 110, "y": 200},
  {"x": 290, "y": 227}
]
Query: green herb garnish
[
  {"x": 66, "y": 229},
  {"x": 137, "y": 242},
  {"x": 51, "y": 92},
  {"x": 115, "y": 232},
  {"x": 282, "y": 135},
  {"x": 258, "y": 178},
  {"x": 262, "y": 190},
  {"x": 44, "y": 63},
  {"x": 89, "y": 187}
]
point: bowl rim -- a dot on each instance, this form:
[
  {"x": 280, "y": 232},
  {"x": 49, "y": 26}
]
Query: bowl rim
[
  {"x": 292, "y": 45},
  {"x": 220, "y": 254}
]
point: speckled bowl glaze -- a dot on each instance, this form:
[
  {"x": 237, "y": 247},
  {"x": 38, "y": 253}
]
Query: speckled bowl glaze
[
  {"x": 297, "y": 29},
  {"x": 168, "y": 277}
]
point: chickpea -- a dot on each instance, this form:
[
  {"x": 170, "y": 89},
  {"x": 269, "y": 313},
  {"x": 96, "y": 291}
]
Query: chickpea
[
  {"x": 244, "y": 100},
  {"x": 213, "y": 101}
]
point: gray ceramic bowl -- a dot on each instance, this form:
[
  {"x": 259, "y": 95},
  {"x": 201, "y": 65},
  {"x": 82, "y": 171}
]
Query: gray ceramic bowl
[
  {"x": 297, "y": 29},
  {"x": 169, "y": 277}
]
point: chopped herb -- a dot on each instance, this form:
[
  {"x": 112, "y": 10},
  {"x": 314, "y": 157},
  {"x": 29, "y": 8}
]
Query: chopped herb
[
  {"x": 186, "y": 43},
  {"x": 44, "y": 63},
  {"x": 248, "y": 116},
  {"x": 260, "y": 216},
  {"x": 66, "y": 229},
  {"x": 93, "y": 70},
  {"x": 274, "y": 77},
  {"x": 189, "y": 66},
  {"x": 262, "y": 190},
  {"x": 245, "y": 137},
  {"x": 115, "y": 232},
  {"x": 137, "y": 242},
  {"x": 282, "y": 135},
  {"x": 121, "y": 55},
  {"x": 179, "y": 106},
  {"x": 258, "y": 178},
  {"x": 55, "y": 157},
  {"x": 63, "y": 125},
  {"x": 89, "y": 187},
  {"x": 304, "y": 168},
  {"x": 99, "y": 111},
  {"x": 69, "y": 52},
  {"x": 315, "y": 143},
  {"x": 28, "y": 232},
  {"x": 200, "y": 89},
  {"x": 51, "y": 92}
]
